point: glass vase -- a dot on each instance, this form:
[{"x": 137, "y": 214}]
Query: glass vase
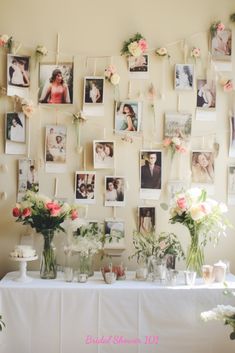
[
  {"x": 195, "y": 255},
  {"x": 85, "y": 265},
  {"x": 48, "y": 268}
]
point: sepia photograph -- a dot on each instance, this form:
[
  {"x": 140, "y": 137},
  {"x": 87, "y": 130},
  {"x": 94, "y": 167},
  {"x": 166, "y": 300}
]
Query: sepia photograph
[
  {"x": 16, "y": 127},
  {"x": 85, "y": 187},
  {"x": 55, "y": 144},
  {"x": 114, "y": 191},
  {"x": 221, "y": 45},
  {"x": 146, "y": 217},
  {"x": 94, "y": 90},
  {"x": 27, "y": 177},
  {"x": 184, "y": 77},
  {"x": 103, "y": 154},
  {"x": 203, "y": 167},
  {"x": 56, "y": 83},
  {"x": 206, "y": 94},
  {"x": 139, "y": 63},
  {"x": 178, "y": 125},
  {"x": 128, "y": 116}
]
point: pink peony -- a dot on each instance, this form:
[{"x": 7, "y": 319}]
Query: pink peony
[
  {"x": 166, "y": 142},
  {"x": 181, "y": 203},
  {"x": 16, "y": 212},
  {"x": 228, "y": 87},
  {"x": 74, "y": 215},
  {"x": 143, "y": 45},
  {"x": 220, "y": 27},
  {"x": 26, "y": 212}
]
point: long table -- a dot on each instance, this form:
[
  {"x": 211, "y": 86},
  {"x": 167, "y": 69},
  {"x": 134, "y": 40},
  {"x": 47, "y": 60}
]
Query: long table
[{"x": 53, "y": 316}]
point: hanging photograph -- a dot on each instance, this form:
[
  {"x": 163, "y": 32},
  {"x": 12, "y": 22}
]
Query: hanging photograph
[
  {"x": 184, "y": 77},
  {"x": 221, "y": 45},
  {"x": 231, "y": 185},
  {"x": 128, "y": 116},
  {"x": 56, "y": 83},
  {"x": 115, "y": 229},
  {"x": 206, "y": 100},
  {"x": 178, "y": 125},
  {"x": 103, "y": 154},
  {"x": 150, "y": 174},
  {"x": 114, "y": 191},
  {"x": 27, "y": 178},
  {"x": 55, "y": 148},
  {"x": 18, "y": 75},
  {"x": 94, "y": 90},
  {"x": 232, "y": 138},
  {"x": 146, "y": 218},
  {"x": 203, "y": 167},
  {"x": 85, "y": 187},
  {"x": 15, "y": 127},
  {"x": 138, "y": 66}
]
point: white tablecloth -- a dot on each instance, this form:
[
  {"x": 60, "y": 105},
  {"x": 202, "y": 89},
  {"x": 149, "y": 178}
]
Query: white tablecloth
[{"x": 52, "y": 316}]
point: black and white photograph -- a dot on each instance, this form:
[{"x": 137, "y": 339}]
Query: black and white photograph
[
  {"x": 103, "y": 154},
  {"x": 178, "y": 125},
  {"x": 138, "y": 63},
  {"x": 114, "y": 191},
  {"x": 206, "y": 94},
  {"x": 128, "y": 116},
  {"x": 16, "y": 127},
  {"x": 18, "y": 75},
  {"x": 55, "y": 144},
  {"x": 221, "y": 45},
  {"x": 150, "y": 174},
  {"x": 203, "y": 167},
  {"x": 56, "y": 83},
  {"x": 146, "y": 219},
  {"x": 94, "y": 90},
  {"x": 85, "y": 183},
  {"x": 184, "y": 77},
  {"x": 232, "y": 137},
  {"x": 27, "y": 178}
]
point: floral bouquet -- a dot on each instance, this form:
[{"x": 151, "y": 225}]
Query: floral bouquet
[
  {"x": 6, "y": 41},
  {"x": 156, "y": 245},
  {"x": 111, "y": 75},
  {"x": 174, "y": 144},
  {"x": 204, "y": 219},
  {"x": 135, "y": 46},
  {"x": 216, "y": 27},
  {"x": 195, "y": 53},
  {"x": 46, "y": 216},
  {"x": 225, "y": 313},
  {"x": 2, "y": 324}
]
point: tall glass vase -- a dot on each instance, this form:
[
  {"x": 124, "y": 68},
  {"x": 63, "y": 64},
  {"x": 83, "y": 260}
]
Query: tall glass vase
[
  {"x": 48, "y": 268},
  {"x": 195, "y": 255}
]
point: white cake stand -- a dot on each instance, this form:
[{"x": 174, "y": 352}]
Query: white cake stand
[{"x": 23, "y": 278}]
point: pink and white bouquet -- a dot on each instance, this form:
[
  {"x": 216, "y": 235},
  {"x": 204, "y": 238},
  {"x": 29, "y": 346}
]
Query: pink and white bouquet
[
  {"x": 225, "y": 313},
  {"x": 27, "y": 107},
  {"x": 216, "y": 27},
  {"x": 135, "y": 46},
  {"x": 195, "y": 52},
  {"x": 43, "y": 213},
  {"x": 111, "y": 75},
  {"x": 5, "y": 41},
  {"x": 174, "y": 144}
]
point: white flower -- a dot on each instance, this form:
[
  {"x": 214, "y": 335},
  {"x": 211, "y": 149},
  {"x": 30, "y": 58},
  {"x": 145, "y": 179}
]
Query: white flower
[
  {"x": 4, "y": 38},
  {"x": 208, "y": 315},
  {"x": 41, "y": 50},
  {"x": 115, "y": 79},
  {"x": 196, "y": 212},
  {"x": 134, "y": 49},
  {"x": 176, "y": 141},
  {"x": 161, "y": 51},
  {"x": 223, "y": 208}
]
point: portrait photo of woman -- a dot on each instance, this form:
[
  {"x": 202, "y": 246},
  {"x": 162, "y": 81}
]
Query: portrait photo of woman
[
  {"x": 94, "y": 90},
  {"x": 56, "y": 84},
  {"x": 203, "y": 167},
  {"x": 146, "y": 218},
  {"x": 206, "y": 94},
  {"x": 15, "y": 127},
  {"x": 103, "y": 154},
  {"x": 221, "y": 45},
  {"x": 184, "y": 77},
  {"x": 128, "y": 116},
  {"x": 18, "y": 71}
]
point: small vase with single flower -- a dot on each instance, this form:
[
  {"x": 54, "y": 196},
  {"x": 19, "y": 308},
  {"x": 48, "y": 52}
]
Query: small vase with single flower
[
  {"x": 195, "y": 254},
  {"x": 85, "y": 265},
  {"x": 48, "y": 269}
]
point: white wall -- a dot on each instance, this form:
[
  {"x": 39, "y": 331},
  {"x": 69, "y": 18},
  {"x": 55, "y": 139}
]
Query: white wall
[{"x": 97, "y": 29}]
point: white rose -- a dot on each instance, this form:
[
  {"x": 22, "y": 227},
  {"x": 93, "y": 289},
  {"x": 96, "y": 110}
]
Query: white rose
[
  {"x": 162, "y": 51},
  {"x": 134, "y": 49},
  {"x": 176, "y": 141},
  {"x": 115, "y": 79},
  {"x": 4, "y": 38},
  {"x": 196, "y": 212}
]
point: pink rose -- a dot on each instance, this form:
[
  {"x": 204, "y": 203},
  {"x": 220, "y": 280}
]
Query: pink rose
[
  {"x": 166, "y": 142},
  {"x": 16, "y": 212},
  {"x": 55, "y": 212},
  {"x": 228, "y": 87},
  {"x": 52, "y": 205},
  {"x": 220, "y": 27},
  {"x": 74, "y": 214},
  {"x": 143, "y": 45},
  {"x": 26, "y": 212},
  {"x": 181, "y": 203}
]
